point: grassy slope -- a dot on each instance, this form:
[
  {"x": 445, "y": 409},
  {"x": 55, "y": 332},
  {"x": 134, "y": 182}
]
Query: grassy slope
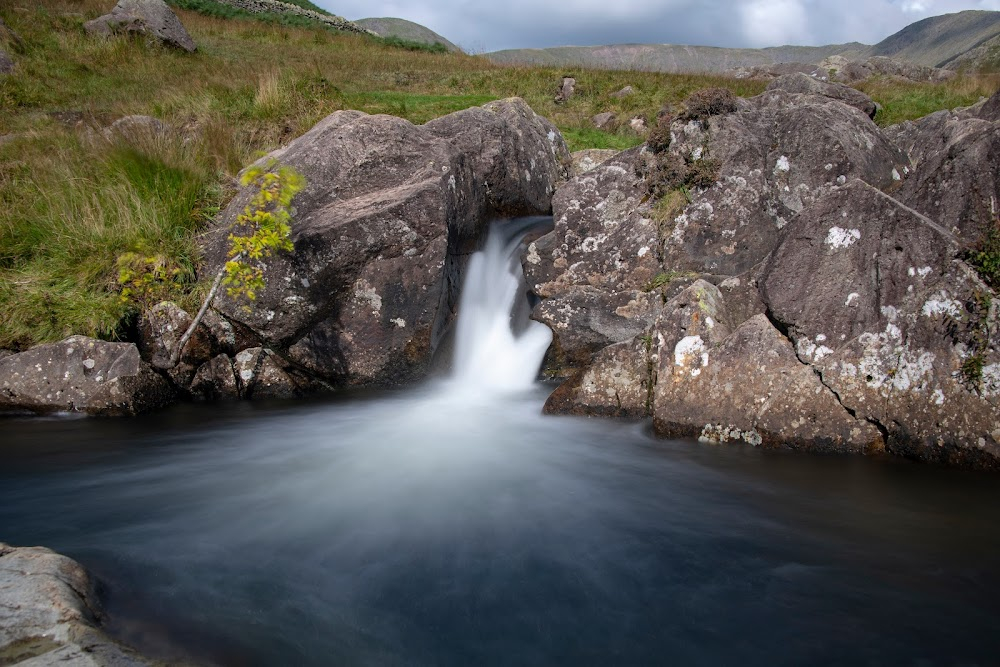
[
  {"x": 406, "y": 30},
  {"x": 72, "y": 204},
  {"x": 938, "y": 40}
]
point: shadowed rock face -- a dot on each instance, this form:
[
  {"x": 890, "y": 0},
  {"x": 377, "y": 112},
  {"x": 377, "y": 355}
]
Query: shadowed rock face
[
  {"x": 382, "y": 230},
  {"x": 82, "y": 374},
  {"x": 831, "y": 308},
  {"x": 148, "y": 18}
]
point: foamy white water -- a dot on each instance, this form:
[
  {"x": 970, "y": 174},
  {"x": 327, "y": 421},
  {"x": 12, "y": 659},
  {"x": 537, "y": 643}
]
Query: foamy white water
[{"x": 494, "y": 350}]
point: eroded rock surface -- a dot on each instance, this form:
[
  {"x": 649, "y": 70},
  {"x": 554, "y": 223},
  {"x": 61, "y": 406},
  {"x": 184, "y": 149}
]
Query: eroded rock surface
[
  {"x": 814, "y": 296},
  {"x": 81, "y": 374},
  {"x": 152, "y": 19},
  {"x": 50, "y": 614}
]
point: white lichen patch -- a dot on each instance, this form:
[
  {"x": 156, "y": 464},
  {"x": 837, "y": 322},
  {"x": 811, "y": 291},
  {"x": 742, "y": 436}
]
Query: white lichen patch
[
  {"x": 942, "y": 304},
  {"x": 691, "y": 354},
  {"x": 991, "y": 381},
  {"x": 643, "y": 251},
  {"x": 532, "y": 256},
  {"x": 839, "y": 237},
  {"x": 364, "y": 292},
  {"x": 938, "y": 397},
  {"x": 399, "y": 322},
  {"x": 782, "y": 165},
  {"x": 896, "y": 176},
  {"x": 717, "y": 434}
]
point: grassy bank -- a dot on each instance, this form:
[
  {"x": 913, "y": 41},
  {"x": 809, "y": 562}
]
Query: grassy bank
[{"x": 74, "y": 203}]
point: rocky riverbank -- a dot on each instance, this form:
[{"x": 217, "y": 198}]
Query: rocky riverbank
[{"x": 813, "y": 291}]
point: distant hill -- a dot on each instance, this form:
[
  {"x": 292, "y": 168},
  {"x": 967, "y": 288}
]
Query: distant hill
[
  {"x": 403, "y": 29},
  {"x": 940, "y": 40},
  {"x": 969, "y": 39},
  {"x": 669, "y": 57}
]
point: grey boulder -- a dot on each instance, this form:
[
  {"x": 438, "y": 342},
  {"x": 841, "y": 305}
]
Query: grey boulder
[
  {"x": 81, "y": 374},
  {"x": 152, "y": 19}
]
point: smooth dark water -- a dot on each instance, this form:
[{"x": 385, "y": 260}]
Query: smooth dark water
[
  {"x": 455, "y": 525},
  {"x": 441, "y": 528}
]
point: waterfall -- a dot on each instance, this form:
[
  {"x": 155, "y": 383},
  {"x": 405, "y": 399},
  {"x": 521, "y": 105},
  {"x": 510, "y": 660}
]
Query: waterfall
[{"x": 497, "y": 348}]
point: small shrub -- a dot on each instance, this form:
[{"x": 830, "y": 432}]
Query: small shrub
[
  {"x": 986, "y": 257},
  {"x": 703, "y": 104},
  {"x": 659, "y": 137},
  {"x": 702, "y": 173}
]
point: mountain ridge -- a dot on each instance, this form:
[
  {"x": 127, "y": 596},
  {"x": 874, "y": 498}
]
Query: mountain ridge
[{"x": 938, "y": 41}]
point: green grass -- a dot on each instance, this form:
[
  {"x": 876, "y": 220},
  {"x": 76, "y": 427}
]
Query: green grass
[
  {"x": 902, "y": 101},
  {"x": 72, "y": 204}
]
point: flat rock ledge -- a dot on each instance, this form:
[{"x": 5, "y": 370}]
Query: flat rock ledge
[
  {"x": 81, "y": 375},
  {"x": 50, "y": 614}
]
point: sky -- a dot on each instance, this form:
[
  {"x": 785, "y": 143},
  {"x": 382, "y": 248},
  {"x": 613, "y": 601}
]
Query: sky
[{"x": 479, "y": 26}]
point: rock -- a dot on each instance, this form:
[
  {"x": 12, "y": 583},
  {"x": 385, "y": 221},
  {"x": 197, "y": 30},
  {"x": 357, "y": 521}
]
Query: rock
[
  {"x": 617, "y": 384},
  {"x": 990, "y": 111},
  {"x": 81, "y": 374},
  {"x": 624, "y": 92},
  {"x": 216, "y": 380},
  {"x": 382, "y": 231},
  {"x": 899, "y": 68},
  {"x": 261, "y": 374},
  {"x": 948, "y": 182},
  {"x": 566, "y": 89},
  {"x": 808, "y": 301},
  {"x": 604, "y": 121},
  {"x": 585, "y": 160},
  {"x": 136, "y": 128},
  {"x": 877, "y": 300},
  {"x": 807, "y": 85},
  {"x": 638, "y": 125},
  {"x": 50, "y": 614},
  {"x": 152, "y": 19},
  {"x": 774, "y": 157},
  {"x": 752, "y": 388},
  {"x": 600, "y": 237},
  {"x": 160, "y": 331},
  {"x": 6, "y": 63},
  {"x": 279, "y": 7},
  {"x": 585, "y": 319}
]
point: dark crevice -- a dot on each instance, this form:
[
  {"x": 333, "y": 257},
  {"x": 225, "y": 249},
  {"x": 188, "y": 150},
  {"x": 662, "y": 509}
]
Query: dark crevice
[{"x": 784, "y": 330}]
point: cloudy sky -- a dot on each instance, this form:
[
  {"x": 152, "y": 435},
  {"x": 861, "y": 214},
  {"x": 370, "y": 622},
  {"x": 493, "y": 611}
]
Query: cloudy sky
[{"x": 489, "y": 25}]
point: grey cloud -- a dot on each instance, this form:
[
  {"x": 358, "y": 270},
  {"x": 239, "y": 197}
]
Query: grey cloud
[{"x": 489, "y": 26}]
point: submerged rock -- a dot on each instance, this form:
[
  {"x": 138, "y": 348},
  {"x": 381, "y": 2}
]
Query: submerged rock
[
  {"x": 382, "y": 231},
  {"x": 152, "y": 19},
  {"x": 81, "y": 374},
  {"x": 50, "y": 614}
]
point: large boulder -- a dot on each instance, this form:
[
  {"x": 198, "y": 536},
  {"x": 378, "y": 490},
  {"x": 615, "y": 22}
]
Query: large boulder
[
  {"x": 81, "y": 374},
  {"x": 807, "y": 85},
  {"x": 382, "y": 231},
  {"x": 814, "y": 296},
  {"x": 772, "y": 158},
  {"x": 952, "y": 159},
  {"x": 50, "y": 613},
  {"x": 151, "y": 19},
  {"x": 877, "y": 300}
]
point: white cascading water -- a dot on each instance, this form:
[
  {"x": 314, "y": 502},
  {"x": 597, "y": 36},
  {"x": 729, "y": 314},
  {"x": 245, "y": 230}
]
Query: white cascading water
[{"x": 494, "y": 352}]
